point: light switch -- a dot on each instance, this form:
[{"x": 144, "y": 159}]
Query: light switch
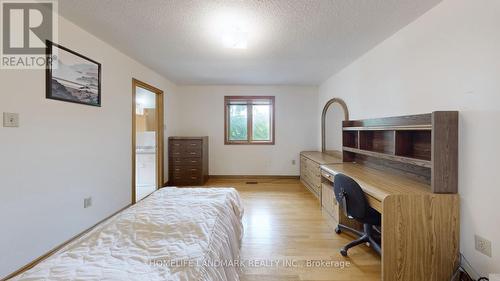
[
  {"x": 87, "y": 202},
  {"x": 10, "y": 119}
]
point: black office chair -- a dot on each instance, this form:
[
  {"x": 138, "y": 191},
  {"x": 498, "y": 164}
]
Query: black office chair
[{"x": 353, "y": 202}]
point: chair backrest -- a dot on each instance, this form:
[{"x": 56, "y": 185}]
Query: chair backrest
[{"x": 350, "y": 196}]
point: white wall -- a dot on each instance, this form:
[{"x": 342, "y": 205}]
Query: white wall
[
  {"x": 64, "y": 152},
  {"x": 449, "y": 59},
  {"x": 202, "y": 114}
]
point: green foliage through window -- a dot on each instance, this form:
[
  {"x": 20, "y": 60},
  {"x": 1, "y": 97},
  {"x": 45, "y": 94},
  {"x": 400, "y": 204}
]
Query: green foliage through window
[
  {"x": 261, "y": 121},
  {"x": 238, "y": 122},
  {"x": 260, "y": 110}
]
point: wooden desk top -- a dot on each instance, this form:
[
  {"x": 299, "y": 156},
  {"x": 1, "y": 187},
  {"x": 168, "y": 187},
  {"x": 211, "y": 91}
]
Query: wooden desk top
[
  {"x": 379, "y": 184},
  {"x": 321, "y": 158}
]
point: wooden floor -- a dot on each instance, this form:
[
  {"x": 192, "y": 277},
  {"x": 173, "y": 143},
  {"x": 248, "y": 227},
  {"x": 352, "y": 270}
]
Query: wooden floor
[{"x": 285, "y": 231}]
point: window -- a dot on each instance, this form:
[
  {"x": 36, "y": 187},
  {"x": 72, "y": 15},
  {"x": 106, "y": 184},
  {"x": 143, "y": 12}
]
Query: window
[{"x": 249, "y": 120}]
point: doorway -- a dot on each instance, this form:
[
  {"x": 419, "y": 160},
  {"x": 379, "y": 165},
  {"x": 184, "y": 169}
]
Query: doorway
[{"x": 147, "y": 139}]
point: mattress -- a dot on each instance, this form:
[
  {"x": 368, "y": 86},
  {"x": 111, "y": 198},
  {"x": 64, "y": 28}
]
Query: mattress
[{"x": 174, "y": 234}]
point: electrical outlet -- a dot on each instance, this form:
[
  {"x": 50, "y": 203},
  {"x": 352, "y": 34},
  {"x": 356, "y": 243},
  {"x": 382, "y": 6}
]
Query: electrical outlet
[
  {"x": 483, "y": 245},
  {"x": 10, "y": 119},
  {"x": 87, "y": 202},
  {"x": 293, "y": 162}
]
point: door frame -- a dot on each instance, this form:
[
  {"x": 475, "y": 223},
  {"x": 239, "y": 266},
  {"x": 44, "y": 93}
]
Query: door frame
[{"x": 159, "y": 137}]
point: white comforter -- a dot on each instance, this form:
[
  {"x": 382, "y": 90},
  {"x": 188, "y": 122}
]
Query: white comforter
[{"x": 174, "y": 234}]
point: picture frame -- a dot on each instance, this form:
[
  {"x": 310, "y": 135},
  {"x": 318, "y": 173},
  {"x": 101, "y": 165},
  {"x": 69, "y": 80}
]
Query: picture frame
[{"x": 72, "y": 77}]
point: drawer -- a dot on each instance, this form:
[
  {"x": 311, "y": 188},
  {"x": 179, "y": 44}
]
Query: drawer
[
  {"x": 306, "y": 179},
  {"x": 192, "y": 152},
  {"x": 186, "y": 152},
  {"x": 311, "y": 171},
  {"x": 312, "y": 165},
  {"x": 309, "y": 166},
  {"x": 179, "y": 161},
  {"x": 194, "y": 178},
  {"x": 315, "y": 179},
  {"x": 176, "y": 153},
  {"x": 185, "y": 144},
  {"x": 184, "y": 181},
  {"x": 312, "y": 179},
  {"x": 193, "y": 144},
  {"x": 176, "y": 179},
  {"x": 304, "y": 162},
  {"x": 327, "y": 175},
  {"x": 315, "y": 190},
  {"x": 186, "y": 170},
  {"x": 177, "y": 144},
  {"x": 185, "y": 175},
  {"x": 314, "y": 172}
]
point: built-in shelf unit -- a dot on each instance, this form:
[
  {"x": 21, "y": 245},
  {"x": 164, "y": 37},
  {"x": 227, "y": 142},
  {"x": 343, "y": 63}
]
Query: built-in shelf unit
[{"x": 422, "y": 146}]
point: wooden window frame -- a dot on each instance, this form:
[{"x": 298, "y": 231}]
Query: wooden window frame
[{"x": 249, "y": 100}]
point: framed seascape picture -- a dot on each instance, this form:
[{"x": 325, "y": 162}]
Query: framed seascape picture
[{"x": 72, "y": 77}]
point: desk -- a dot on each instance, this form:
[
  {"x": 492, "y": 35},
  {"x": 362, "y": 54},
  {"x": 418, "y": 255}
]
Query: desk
[{"x": 420, "y": 229}]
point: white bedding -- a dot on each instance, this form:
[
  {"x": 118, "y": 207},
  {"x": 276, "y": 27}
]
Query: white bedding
[{"x": 174, "y": 234}]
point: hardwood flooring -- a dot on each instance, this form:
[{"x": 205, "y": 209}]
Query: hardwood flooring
[{"x": 288, "y": 237}]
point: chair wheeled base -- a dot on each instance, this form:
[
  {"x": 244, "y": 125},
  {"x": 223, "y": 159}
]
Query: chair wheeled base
[{"x": 367, "y": 236}]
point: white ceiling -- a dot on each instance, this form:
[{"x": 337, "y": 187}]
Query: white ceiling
[{"x": 295, "y": 42}]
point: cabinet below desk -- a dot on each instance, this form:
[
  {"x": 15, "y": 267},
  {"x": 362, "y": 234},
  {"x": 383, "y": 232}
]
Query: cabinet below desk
[
  {"x": 328, "y": 201},
  {"x": 330, "y": 205}
]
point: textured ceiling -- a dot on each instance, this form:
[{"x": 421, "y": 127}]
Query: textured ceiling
[{"x": 295, "y": 42}]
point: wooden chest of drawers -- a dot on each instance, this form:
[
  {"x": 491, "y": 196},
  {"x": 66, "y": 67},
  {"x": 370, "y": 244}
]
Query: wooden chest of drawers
[{"x": 187, "y": 160}]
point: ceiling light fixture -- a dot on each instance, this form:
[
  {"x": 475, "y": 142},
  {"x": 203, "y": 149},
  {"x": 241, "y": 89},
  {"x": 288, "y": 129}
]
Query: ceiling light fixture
[
  {"x": 234, "y": 37},
  {"x": 232, "y": 30}
]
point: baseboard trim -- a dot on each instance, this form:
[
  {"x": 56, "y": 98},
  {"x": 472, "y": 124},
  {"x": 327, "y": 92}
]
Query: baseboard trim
[
  {"x": 254, "y": 177},
  {"x": 57, "y": 248}
]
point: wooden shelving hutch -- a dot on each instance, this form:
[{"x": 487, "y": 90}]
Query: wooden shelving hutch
[{"x": 421, "y": 146}]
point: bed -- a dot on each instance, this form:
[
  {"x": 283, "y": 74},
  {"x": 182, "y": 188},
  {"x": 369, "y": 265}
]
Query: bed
[{"x": 173, "y": 234}]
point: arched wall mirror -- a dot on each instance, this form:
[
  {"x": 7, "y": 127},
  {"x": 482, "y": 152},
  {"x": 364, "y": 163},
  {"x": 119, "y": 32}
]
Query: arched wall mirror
[{"x": 334, "y": 112}]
